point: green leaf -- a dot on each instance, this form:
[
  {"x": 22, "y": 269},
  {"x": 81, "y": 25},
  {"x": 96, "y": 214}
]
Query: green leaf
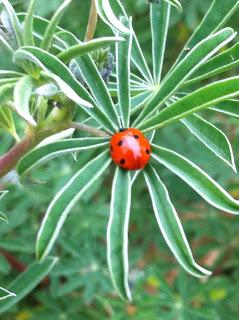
[
  {"x": 123, "y": 54},
  {"x": 159, "y": 17},
  {"x": 194, "y": 102},
  {"x": 6, "y": 93},
  {"x": 200, "y": 53},
  {"x": 27, "y": 281},
  {"x": 107, "y": 15},
  {"x": 86, "y": 47},
  {"x": 117, "y": 232},
  {"x": 98, "y": 88},
  {"x": 136, "y": 54},
  {"x": 6, "y": 44},
  {"x": 3, "y": 217},
  {"x": 6, "y": 122},
  {"x": 174, "y": 3},
  {"x": 196, "y": 178},
  {"x": 214, "y": 19},
  {"x": 170, "y": 224},
  {"x": 52, "y": 26},
  {"x": 140, "y": 100},
  {"x": 66, "y": 82},
  {"x": 140, "y": 61},
  {"x": 10, "y": 74},
  {"x": 28, "y": 25},
  {"x": 64, "y": 201},
  {"x": 96, "y": 84},
  {"x": 229, "y": 107},
  {"x": 213, "y": 138},
  {"x": 5, "y": 294},
  {"x": 14, "y": 22},
  {"x": 22, "y": 96},
  {"x": 225, "y": 61},
  {"x": 47, "y": 152}
]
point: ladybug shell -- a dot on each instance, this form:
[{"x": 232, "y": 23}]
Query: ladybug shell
[{"x": 130, "y": 149}]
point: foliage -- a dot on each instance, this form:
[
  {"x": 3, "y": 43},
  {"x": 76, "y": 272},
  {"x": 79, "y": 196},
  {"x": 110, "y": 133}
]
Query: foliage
[{"x": 149, "y": 100}]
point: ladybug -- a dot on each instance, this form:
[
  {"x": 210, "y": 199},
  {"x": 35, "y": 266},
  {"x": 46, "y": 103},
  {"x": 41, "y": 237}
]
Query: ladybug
[{"x": 130, "y": 149}]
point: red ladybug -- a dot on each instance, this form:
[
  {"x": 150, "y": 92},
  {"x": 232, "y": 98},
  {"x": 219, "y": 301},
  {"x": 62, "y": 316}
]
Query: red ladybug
[{"x": 130, "y": 149}]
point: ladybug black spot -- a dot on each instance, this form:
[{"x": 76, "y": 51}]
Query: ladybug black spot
[
  {"x": 147, "y": 151},
  {"x": 122, "y": 161},
  {"x": 136, "y": 136},
  {"x": 120, "y": 143},
  {"x": 122, "y": 129}
]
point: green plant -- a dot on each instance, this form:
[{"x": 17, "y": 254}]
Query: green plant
[{"x": 146, "y": 100}]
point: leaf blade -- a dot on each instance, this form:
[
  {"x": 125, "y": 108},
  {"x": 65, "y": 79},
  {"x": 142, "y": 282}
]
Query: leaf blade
[
  {"x": 170, "y": 224},
  {"x": 27, "y": 281},
  {"x": 22, "y": 101},
  {"x": 194, "y": 102},
  {"x": 159, "y": 18},
  {"x": 64, "y": 200},
  {"x": 123, "y": 53},
  {"x": 87, "y": 47},
  {"x": 117, "y": 232},
  {"x": 197, "y": 179},
  {"x": 213, "y": 138},
  {"x": 52, "y": 26},
  {"x": 203, "y": 51},
  {"x": 44, "y": 153}
]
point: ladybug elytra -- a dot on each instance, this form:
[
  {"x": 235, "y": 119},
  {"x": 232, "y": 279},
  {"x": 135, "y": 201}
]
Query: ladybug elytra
[{"x": 130, "y": 149}]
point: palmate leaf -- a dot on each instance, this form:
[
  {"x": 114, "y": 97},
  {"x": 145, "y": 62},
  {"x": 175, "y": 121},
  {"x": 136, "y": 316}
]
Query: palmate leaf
[
  {"x": 198, "y": 100},
  {"x": 213, "y": 138},
  {"x": 196, "y": 178},
  {"x": 27, "y": 281},
  {"x": 200, "y": 53},
  {"x": 140, "y": 100},
  {"x": 214, "y": 19},
  {"x": 47, "y": 152},
  {"x": 66, "y": 81},
  {"x": 170, "y": 224},
  {"x": 123, "y": 53},
  {"x": 64, "y": 201},
  {"x": 159, "y": 17},
  {"x": 117, "y": 232},
  {"x": 52, "y": 26},
  {"x": 22, "y": 101}
]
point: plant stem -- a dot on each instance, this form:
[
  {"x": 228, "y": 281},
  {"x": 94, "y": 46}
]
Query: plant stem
[
  {"x": 89, "y": 129},
  {"x": 92, "y": 22},
  {"x": 9, "y": 160}
]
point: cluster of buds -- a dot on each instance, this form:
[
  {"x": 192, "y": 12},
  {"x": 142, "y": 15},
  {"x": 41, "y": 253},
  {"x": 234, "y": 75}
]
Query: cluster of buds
[{"x": 104, "y": 61}]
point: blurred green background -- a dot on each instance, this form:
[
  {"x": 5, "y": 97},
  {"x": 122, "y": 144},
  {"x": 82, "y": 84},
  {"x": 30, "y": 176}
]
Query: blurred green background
[{"x": 79, "y": 286}]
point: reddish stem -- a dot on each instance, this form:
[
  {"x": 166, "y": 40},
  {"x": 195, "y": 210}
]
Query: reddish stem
[{"x": 11, "y": 158}]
